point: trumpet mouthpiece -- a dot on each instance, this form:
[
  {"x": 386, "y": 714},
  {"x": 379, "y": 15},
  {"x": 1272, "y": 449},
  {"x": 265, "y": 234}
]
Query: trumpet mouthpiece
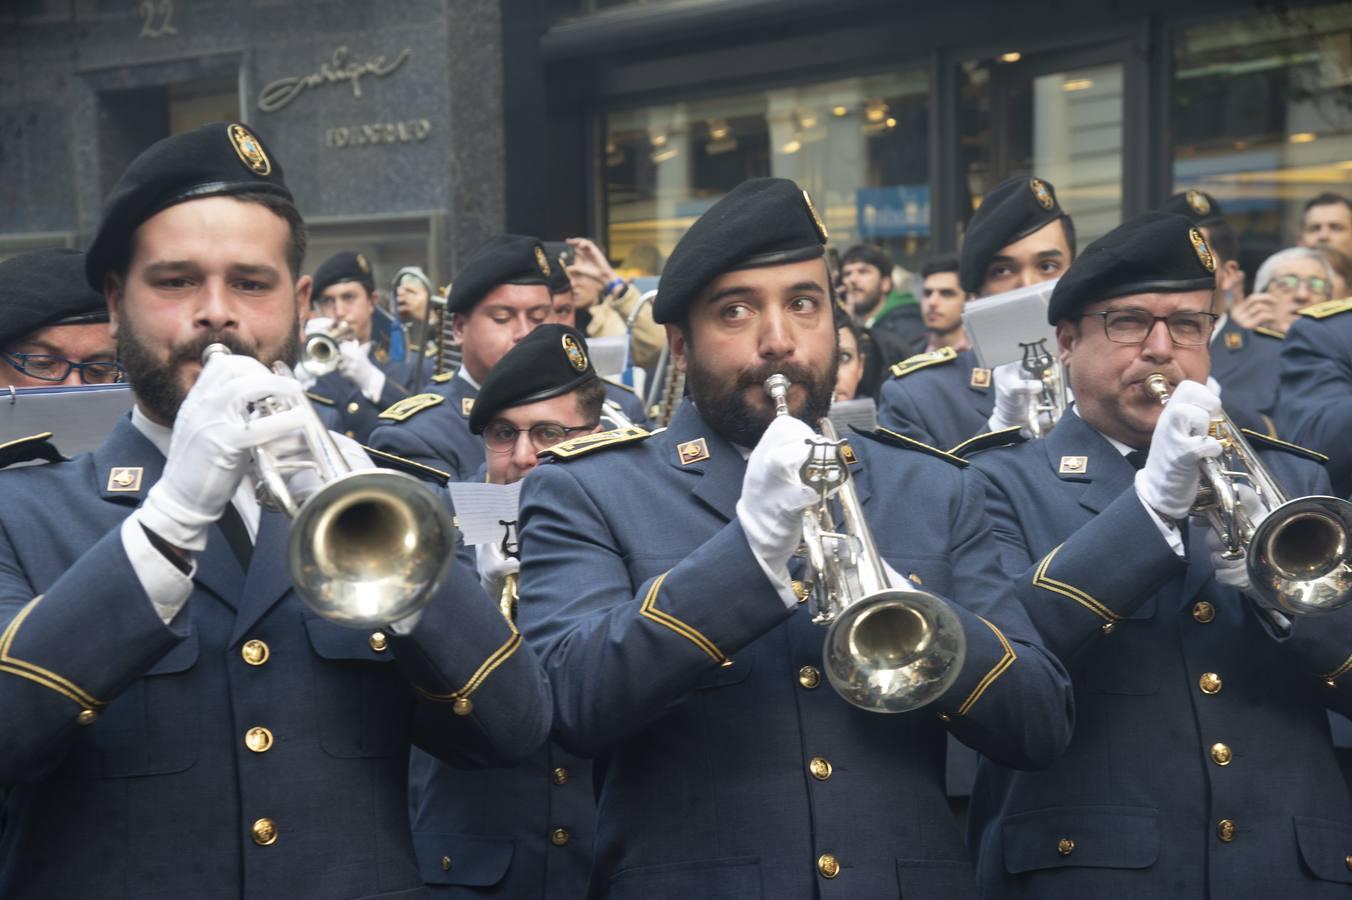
[
  {"x": 214, "y": 350},
  {"x": 1157, "y": 386}
]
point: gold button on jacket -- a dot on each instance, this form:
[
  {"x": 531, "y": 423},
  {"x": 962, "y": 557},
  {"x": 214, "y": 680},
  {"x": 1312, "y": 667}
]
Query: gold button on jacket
[
  {"x": 1203, "y": 611},
  {"x": 1221, "y": 754},
  {"x": 1065, "y": 846},
  {"x": 1225, "y": 830},
  {"x": 255, "y": 652},
  {"x": 258, "y": 739},
  {"x": 820, "y": 768},
  {"x": 1210, "y": 683},
  {"x": 378, "y": 641},
  {"x": 560, "y": 775},
  {"x": 264, "y": 832},
  {"x": 558, "y": 837},
  {"x": 809, "y": 677},
  {"x": 828, "y": 865}
]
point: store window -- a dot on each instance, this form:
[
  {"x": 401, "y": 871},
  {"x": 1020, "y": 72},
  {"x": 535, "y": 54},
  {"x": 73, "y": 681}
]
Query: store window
[
  {"x": 1054, "y": 115},
  {"x": 859, "y": 146},
  {"x": 1262, "y": 119}
]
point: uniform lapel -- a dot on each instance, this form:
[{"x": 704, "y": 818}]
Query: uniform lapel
[
  {"x": 269, "y": 576},
  {"x": 717, "y": 477},
  {"x": 126, "y": 466},
  {"x": 1078, "y": 453}
]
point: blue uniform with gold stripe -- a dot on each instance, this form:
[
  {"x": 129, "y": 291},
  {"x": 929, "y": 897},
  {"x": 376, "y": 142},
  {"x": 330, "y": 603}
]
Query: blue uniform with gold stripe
[
  {"x": 725, "y": 765},
  {"x": 1316, "y": 388},
  {"x": 940, "y": 398},
  {"x": 126, "y": 738},
  {"x": 355, "y": 413},
  {"x": 1201, "y": 764},
  {"x": 1247, "y": 364}
]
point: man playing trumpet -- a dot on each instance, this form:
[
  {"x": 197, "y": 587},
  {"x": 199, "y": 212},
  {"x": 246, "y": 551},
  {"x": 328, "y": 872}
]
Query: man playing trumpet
[
  {"x": 659, "y": 587},
  {"x": 1201, "y": 764}
]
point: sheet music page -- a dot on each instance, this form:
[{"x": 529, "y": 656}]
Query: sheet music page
[{"x": 482, "y": 508}]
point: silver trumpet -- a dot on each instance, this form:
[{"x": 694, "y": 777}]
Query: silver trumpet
[
  {"x": 889, "y": 648},
  {"x": 1297, "y": 551},
  {"x": 1041, "y": 365},
  {"x": 369, "y": 547},
  {"x": 320, "y": 353}
]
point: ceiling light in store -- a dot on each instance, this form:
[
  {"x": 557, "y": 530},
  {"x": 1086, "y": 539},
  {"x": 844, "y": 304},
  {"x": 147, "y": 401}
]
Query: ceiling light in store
[
  {"x": 793, "y": 146},
  {"x": 1077, "y": 84},
  {"x": 891, "y": 122},
  {"x": 807, "y": 120},
  {"x": 661, "y": 156},
  {"x": 659, "y": 139},
  {"x": 1302, "y": 137},
  {"x": 717, "y": 148},
  {"x": 718, "y": 129},
  {"x": 840, "y": 111},
  {"x": 1010, "y": 57}
]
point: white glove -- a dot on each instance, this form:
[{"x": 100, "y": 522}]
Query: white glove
[
  {"x": 1168, "y": 483},
  {"x": 1015, "y": 394},
  {"x": 494, "y": 566},
  {"x": 1235, "y": 572},
  {"x": 209, "y": 450},
  {"x": 317, "y": 324},
  {"x": 773, "y": 493},
  {"x": 355, "y": 364}
]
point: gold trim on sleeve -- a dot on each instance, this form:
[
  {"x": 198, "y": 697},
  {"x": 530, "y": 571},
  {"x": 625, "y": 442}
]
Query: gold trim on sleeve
[
  {"x": 37, "y": 674},
  {"x": 1042, "y": 580},
  {"x": 999, "y": 669},
  {"x": 1340, "y": 671},
  {"x": 498, "y": 657},
  {"x": 649, "y": 610}
]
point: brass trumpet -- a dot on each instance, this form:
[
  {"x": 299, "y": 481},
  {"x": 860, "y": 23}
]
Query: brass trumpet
[
  {"x": 889, "y": 648},
  {"x": 369, "y": 547},
  {"x": 320, "y": 353},
  {"x": 1297, "y": 550}
]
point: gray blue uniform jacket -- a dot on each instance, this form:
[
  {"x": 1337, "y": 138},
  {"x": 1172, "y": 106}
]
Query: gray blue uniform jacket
[
  {"x": 355, "y": 412},
  {"x": 941, "y": 404},
  {"x": 726, "y": 767},
  {"x": 123, "y": 740},
  {"x": 1247, "y": 365},
  {"x": 1201, "y": 764},
  {"x": 1316, "y": 389},
  {"x": 521, "y": 832}
]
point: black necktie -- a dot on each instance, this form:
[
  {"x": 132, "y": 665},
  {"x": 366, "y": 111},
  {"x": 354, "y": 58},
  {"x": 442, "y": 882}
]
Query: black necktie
[
  {"x": 237, "y": 535},
  {"x": 1137, "y": 458}
]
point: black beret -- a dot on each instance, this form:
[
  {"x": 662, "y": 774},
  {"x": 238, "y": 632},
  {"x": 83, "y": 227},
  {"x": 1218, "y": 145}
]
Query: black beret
[
  {"x": 506, "y": 259},
  {"x": 220, "y": 158},
  {"x": 1155, "y": 253},
  {"x": 550, "y": 361},
  {"x": 558, "y": 275},
  {"x": 761, "y": 222},
  {"x": 344, "y": 266},
  {"x": 1197, "y": 206},
  {"x": 1010, "y": 211},
  {"x": 44, "y": 288}
]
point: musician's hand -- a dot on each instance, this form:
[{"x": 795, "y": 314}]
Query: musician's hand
[
  {"x": 494, "y": 566},
  {"x": 209, "y": 450},
  {"x": 773, "y": 493},
  {"x": 1235, "y": 572},
  {"x": 356, "y": 366},
  {"x": 318, "y": 324},
  {"x": 1015, "y": 394},
  {"x": 1168, "y": 483}
]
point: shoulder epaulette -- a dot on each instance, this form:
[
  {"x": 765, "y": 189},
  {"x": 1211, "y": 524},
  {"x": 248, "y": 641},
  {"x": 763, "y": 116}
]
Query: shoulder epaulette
[
  {"x": 27, "y": 449},
  {"x": 1005, "y": 437},
  {"x": 892, "y": 439},
  {"x": 1327, "y": 308},
  {"x": 407, "y": 466},
  {"x": 620, "y": 385},
  {"x": 320, "y": 399},
  {"x": 410, "y": 406},
  {"x": 589, "y": 443},
  {"x": 1257, "y": 438},
  {"x": 442, "y": 377},
  {"x": 923, "y": 361},
  {"x": 1269, "y": 332}
]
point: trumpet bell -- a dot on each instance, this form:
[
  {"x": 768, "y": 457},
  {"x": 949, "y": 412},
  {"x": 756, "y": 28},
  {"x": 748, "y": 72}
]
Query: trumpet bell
[
  {"x": 894, "y": 651},
  {"x": 370, "y": 548},
  {"x": 320, "y": 355},
  {"x": 1298, "y": 556}
]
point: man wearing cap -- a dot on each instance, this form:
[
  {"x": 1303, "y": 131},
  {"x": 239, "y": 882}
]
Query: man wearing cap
[
  {"x": 170, "y": 706},
  {"x": 656, "y": 586},
  {"x": 1245, "y": 361},
  {"x": 366, "y": 380},
  {"x": 1018, "y": 237},
  {"x": 525, "y": 831},
  {"x": 1201, "y": 764}
]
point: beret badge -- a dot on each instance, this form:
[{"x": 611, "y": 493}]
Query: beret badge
[
  {"x": 576, "y": 355},
  {"x": 249, "y": 149},
  {"x": 542, "y": 261},
  {"x": 1204, "y": 254},
  {"x": 1041, "y": 193},
  {"x": 816, "y": 219},
  {"x": 1199, "y": 203},
  {"x": 363, "y": 264}
]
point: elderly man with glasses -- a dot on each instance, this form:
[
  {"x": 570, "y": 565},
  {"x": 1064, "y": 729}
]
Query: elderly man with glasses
[{"x": 53, "y": 326}]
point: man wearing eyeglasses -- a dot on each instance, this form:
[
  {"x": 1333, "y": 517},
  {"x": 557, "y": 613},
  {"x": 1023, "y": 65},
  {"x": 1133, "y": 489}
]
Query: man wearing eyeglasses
[
  {"x": 53, "y": 326},
  {"x": 524, "y": 831},
  {"x": 1201, "y": 764}
]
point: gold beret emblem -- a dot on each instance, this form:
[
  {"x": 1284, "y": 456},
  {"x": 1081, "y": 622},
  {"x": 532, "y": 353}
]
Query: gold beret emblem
[
  {"x": 249, "y": 149},
  {"x": 576, "y": 355},
  {"x": 542, "y": 261},
  {"x": 1199, "y": 203},
  {"x": 363, "y": 265},
  {"x": 1042, "y": 193},
  {"x": 816, "y": 219},
  {"x": 1204, "y": 254}
]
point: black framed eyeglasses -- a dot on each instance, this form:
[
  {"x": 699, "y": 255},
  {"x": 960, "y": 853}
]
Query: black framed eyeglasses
[
  {"x": 501, "y": 437},
  {"x": 57, "y": 369},
  {"x": 1133, "y": 326}
]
